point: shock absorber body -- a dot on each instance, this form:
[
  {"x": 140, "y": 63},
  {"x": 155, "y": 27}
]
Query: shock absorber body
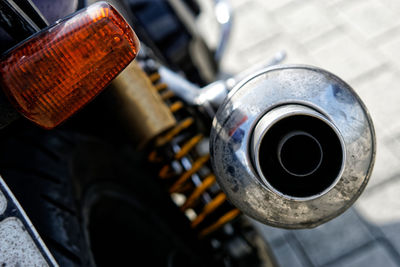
[{"x": 185, "y": 166}]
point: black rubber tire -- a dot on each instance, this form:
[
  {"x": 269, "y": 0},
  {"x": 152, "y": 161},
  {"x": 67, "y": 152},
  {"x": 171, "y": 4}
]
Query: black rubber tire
[
  {"x": 33, "y": 162},
  {"x": 53, "y": 174}
]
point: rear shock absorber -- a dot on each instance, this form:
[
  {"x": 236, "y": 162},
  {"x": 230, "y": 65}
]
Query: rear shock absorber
[{"x": 183, "y": 159}]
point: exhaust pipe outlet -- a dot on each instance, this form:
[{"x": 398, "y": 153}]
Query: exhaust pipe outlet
[
  {"x": 292, "y": 146},
  {"x": 297, "y": 152}
]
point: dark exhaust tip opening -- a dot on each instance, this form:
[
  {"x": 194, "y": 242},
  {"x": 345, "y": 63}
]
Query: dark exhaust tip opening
[
  {"x": 301, "y": 156},
  {"x": 291, "y": 153}
]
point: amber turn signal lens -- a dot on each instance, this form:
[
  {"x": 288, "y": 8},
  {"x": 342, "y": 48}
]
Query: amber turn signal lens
[{"x": 54, "y": 73}]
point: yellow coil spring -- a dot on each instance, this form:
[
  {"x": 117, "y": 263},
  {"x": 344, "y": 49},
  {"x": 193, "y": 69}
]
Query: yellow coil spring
[{"x": 182, "y": 182}]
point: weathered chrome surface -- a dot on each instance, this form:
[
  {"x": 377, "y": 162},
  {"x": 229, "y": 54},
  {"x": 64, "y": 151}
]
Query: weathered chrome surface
[
  {"x": 214, "y": 94},
  {"x": 233, "y": 129}
]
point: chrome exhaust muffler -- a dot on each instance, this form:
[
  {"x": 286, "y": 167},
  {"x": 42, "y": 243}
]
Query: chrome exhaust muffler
[{"x": 292, "y": 146}]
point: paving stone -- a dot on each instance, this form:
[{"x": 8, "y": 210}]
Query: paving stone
[
  {"x": 236, "y": 4},
  {"x": 369, "y": 17},
  {"x": 344, "y": 57},
  {"x": 394, "y": 140},
  {"x": 335, "y": 238},
  {"x": 372, "y": 256},
  {"x": 274, "y": 5},
  {"x": 306, "y": 22},
  {"x": 391, "y": 232},
  {"x": 331, "y": 3},
  {"x": 286, "y": 255},
  {"x": 281, "y": 243},
  {"x": 207, "y": 24},
  {"x": 243, "y": 37},
  {"x": 394, "y": 5},
  {"x": 386, "y": 165},
  {"x": 391, "y": 50},
  {"x": 262, "y": 26},
  {"x": 381, "y": 205},
  {"x": 265, "y": 50},
  {"x": 381, "y": 94},
  {"x": 270, "y": 234}
]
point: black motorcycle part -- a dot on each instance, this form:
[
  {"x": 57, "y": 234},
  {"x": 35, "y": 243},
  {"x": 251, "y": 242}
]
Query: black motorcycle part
[
  {"x": 15, "y": 21},
  {"x": 80, "y": 190},
  {"x": 8, "y": 113},
  {"x": 33, "y": 165},
  {"x": 169, "y": 36}
]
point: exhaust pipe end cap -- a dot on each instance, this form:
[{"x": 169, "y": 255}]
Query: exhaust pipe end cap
[{"x": 311, "y": 99}]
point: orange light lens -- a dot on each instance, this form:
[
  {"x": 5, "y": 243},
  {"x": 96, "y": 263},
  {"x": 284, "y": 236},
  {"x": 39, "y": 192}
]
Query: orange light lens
[{"x": 54, "y": 73}]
